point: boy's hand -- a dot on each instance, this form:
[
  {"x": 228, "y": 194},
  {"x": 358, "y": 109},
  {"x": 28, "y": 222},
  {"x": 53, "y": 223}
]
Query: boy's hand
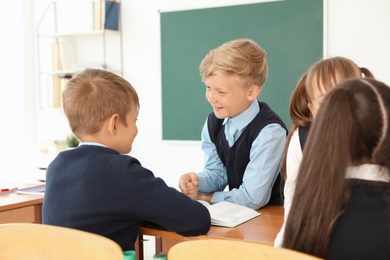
[{"x": 188, "y": 184}]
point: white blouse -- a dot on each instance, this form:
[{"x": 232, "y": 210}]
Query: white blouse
[{"x": 293, "y": 160}]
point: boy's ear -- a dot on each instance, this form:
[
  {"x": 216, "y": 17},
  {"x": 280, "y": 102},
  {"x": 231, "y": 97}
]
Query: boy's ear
[
  {"x": 112, "y": 124},
  {"x": 253, "y": 92}
]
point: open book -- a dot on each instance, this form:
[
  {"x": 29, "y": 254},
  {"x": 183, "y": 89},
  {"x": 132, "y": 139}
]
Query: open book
[
  {"x": 36, "y": 190},
  {"x": 228, "y": 214}
]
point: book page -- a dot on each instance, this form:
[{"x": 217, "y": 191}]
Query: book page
[{"x": 230, "y": 214}]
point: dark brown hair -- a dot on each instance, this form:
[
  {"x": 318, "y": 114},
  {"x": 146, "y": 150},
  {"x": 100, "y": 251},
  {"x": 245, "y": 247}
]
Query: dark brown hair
[
  {"x": 351, "y": 128},
  {"x": 300, "y": 116},
  {"x": 323, "y": 75}
]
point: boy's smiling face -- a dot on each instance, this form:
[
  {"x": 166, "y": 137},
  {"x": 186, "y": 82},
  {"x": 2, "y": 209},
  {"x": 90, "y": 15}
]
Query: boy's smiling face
[{"x": 227, "y": 97}]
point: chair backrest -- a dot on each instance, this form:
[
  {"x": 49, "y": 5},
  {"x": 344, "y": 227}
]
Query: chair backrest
[
  {"x": 39, "y": 241},
  {"x": 213, "y": 249}
]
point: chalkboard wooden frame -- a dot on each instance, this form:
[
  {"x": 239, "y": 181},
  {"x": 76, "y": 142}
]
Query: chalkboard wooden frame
[{"x": 290, "y": 31}]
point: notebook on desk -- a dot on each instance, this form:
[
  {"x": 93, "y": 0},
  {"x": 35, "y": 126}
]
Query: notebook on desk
[{"x": 36, "y": 190}]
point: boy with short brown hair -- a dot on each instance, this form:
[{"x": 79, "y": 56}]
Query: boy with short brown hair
[{"x": 97, "y": 187}]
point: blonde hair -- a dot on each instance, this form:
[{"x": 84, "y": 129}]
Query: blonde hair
[
  {"x": 94, "y": 95},
  {"x": 242, "y": 58},
  {"x": 325, "y": 74}
]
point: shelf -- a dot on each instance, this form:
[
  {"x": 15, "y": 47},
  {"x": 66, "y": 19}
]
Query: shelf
[
  {"x": 63, "y": 73},
  {"x": 62, "y": 54},
  {"x": 91, "y": 33}
]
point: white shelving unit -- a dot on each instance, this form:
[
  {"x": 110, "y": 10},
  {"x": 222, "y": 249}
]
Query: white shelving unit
[{"x": 61, "y": 55}]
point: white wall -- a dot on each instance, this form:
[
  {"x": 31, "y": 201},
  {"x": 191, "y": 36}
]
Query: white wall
[
  {"x": 16, "y": 98},
  {"x": 358, "y": 29}
]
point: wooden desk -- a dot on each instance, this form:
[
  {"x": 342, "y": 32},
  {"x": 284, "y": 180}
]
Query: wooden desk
[
  {"x": 17, "y": 208},
  {"x": 262, "y": 229}
]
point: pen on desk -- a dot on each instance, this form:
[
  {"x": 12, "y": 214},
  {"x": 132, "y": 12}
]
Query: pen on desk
[{"x": 8, "y": 189}]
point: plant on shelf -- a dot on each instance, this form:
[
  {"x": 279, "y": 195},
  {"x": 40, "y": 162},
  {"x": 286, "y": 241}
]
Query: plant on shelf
[{"x": 72, "y": 141}]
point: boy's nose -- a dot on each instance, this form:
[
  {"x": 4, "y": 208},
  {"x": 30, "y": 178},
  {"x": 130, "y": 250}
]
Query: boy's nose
[{"x": 210, "y": 98}]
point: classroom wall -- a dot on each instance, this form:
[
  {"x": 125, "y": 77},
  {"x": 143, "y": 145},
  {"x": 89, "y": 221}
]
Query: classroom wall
[
  {"x": 358, "y": 29},
  {"x": 16, "y": 98}
]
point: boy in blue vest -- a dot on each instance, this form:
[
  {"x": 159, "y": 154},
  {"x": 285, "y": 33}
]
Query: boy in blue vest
[{"x": 243, "y": 139}]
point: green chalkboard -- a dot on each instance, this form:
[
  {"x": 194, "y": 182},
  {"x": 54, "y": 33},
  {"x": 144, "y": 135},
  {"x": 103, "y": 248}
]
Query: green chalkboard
[{"x": 290, "y": 31}]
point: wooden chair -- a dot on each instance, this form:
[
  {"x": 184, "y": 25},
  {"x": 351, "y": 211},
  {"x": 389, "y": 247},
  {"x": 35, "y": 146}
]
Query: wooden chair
[
  {"x": 39, "y": 241},
  {"x": 213, "y": 249}
]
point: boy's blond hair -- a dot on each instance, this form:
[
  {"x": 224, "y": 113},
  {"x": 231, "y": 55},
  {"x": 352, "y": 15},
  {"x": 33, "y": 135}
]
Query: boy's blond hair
[
  {"x": 242, "y": 58},
  {"x": 94, "y": 95}
]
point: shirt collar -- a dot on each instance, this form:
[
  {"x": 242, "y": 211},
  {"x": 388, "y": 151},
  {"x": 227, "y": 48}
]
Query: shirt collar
[
  {"x": 92, "y": 143},
  {"x": 243, "y": 119},
  {"x": 369, "y": 172}
]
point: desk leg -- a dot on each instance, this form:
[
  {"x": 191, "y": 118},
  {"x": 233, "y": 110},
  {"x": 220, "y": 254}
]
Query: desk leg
[
  {"x": 139, "y": 247},
  {"x": 38, "y": 214},
  {"x": 158, "y": 244}
]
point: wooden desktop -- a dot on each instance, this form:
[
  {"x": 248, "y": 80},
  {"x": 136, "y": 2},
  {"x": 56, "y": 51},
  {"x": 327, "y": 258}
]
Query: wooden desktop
[
  {"x": 19, "y": 208},
  {"x": 262, "y": 229}
]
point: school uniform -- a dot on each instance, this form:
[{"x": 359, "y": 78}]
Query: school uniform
[
  {"x": 248, "y": 160},
  {"x": 293, "y": 160},
  {"x": 96, "y": 189},
  {"x": 363, "y": 230}
]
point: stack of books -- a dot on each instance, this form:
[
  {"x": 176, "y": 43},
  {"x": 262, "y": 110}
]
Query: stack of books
[{"x": 107, "y": 15}]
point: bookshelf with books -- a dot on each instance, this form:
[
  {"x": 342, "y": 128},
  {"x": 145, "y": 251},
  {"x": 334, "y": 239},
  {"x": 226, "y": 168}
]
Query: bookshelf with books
[{"x": 94, "y": 41}]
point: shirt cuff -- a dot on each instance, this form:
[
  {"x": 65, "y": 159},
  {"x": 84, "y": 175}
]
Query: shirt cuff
[
  {"x": 218, "y": 197},
  {"x": 201, "y": 183}
]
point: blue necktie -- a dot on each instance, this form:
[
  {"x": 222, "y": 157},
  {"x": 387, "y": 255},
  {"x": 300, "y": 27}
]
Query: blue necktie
[{"x": 231, "y": 131}]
